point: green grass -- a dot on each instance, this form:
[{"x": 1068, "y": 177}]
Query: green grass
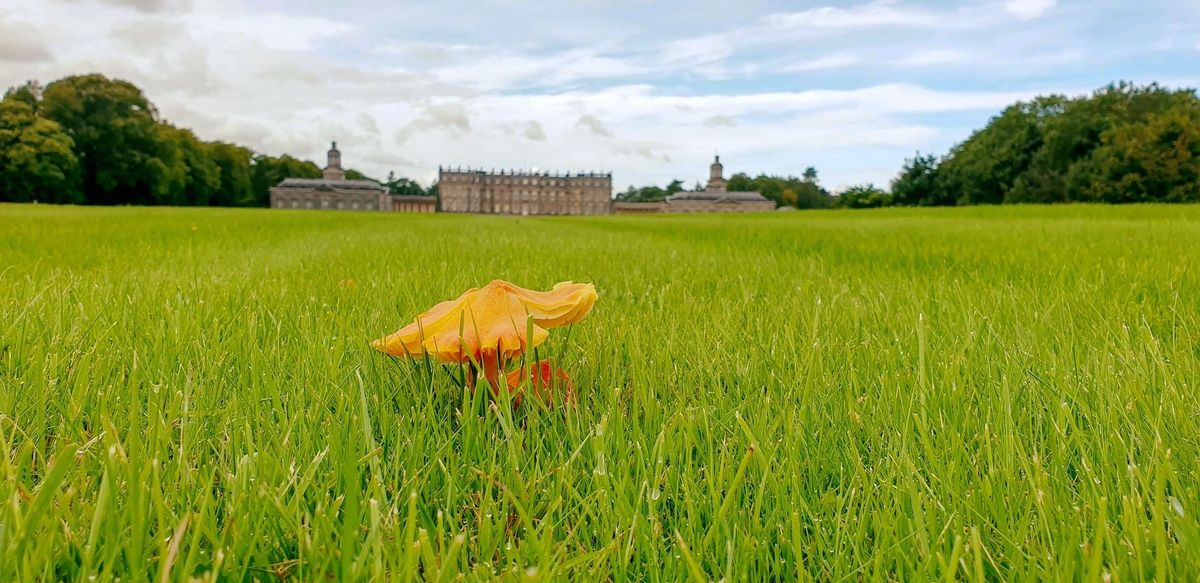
[{"x": 971, "y": 394}]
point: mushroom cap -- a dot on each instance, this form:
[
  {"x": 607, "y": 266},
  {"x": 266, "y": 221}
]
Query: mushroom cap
[{"x": 489, "y": 323}]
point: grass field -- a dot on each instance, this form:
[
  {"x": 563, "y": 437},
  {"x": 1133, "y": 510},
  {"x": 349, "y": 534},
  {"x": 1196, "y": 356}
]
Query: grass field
[{"x": 972, "y": 394}]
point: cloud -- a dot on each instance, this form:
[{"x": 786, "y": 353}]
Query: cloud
[
  {"x": 486, "y": 69},
  {"x": 151, "y": 6},
  {"x": 533, "y": 131},
  {"x": 834, "y": 61},
  {"x": 451, "y": 117},
  {"x": 19, "y": 43},
  {"x": 720, "y": 121},
  {"x": 646, "y": 152},
  {"x": 368, "y": 124},
  {"x": 594, "y": 125},
  {"x": 928, "y": 57},
  {"x": 877, "y": 14},
  {"x": 270, "y": 30},
  {"x": 695, "y": 51},
  {"x": 1029, "y": 9},
  {"x": 147, "y": 34}
]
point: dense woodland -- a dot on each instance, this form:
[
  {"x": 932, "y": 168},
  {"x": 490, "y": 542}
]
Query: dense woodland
[
  {"x": 88, "y": 139},
  {"x": 1122, "y": 144}
]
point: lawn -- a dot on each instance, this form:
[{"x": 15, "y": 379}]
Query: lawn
[{"x": 912, "y": 394}]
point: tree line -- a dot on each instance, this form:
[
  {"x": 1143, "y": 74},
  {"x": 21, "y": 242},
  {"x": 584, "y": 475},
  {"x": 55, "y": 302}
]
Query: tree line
[
  {"x": 1123, "y": 143},
  {"x": 88, "y": 139}
]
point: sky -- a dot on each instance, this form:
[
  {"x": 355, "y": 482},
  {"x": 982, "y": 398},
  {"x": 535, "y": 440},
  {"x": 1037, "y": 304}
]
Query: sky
[{"x": 647, "y": 90}]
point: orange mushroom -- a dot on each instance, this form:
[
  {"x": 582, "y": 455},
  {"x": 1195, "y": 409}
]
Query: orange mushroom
[
  {"x": 549, "y": 382},
  {"x": 490, "y": 325}
]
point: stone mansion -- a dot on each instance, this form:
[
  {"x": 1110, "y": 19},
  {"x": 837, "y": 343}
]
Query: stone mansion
[
  {"x": 519, "y": 193},
  {"x": 334, "y": 192},
  {"x": 524, "y": 193}
]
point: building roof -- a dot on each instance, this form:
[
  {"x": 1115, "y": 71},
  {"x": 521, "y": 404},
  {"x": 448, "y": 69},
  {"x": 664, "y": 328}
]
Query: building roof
[
  {"x": 414, "y": 198},
  {"x": 322, "y": 184},
  {"x": 522, "y": 173},
  {"x": 717, "y": 196}
]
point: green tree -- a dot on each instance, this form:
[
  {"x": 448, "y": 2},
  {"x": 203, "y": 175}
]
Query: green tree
[
  {"x": 864, "y": 196},
  {"x": 918, "y": 184},
  {"x": 36, "y": 157},
  {"x": 740, "y": 182},
  {"x": 799, "y": 192},
  {"x": 984, "y": 168},
  {"x": 193, "y": 178},
  {"x": 29, "y": 93},
  {"x": 1157, "y": 159},
  {"x": 114, "y": 130},
  {"x": 236, "y": 186},
  {"x": 1122, "y": 143},
  {"x": 269, "y": 171},
  {"x": 810, "y": 195},
  {"x": 404, "y": 186},
  {"x": 650, "y": 193}
]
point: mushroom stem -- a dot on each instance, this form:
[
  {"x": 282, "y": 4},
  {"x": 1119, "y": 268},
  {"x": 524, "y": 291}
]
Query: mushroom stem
[{"x": 491, "y": 373}]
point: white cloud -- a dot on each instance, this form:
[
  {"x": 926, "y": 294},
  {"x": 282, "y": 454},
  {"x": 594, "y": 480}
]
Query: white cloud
[
  {"x": 927, "y": 57},
  {"x": 695, "y": 51},
  {"x": 149, "y": 6},
  {"x": 834, "y": 61},
  {"x": 1029, "y": 9},
  {"x": 270, "y": 30},
  {"x": 367, "y": 123},
  {"x": 20, "y": 43},
  {"x": 486, "y": 70},
  {"x": 720, "y": 121},
  {"x": 594, "y": 125},
  {"x": 883, "y": 13},
  {"x": 534, "y": 131},
  {"x": 450, "y": 117}
]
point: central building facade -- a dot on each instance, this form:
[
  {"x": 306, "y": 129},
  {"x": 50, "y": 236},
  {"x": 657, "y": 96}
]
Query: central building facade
[{"x": 524, "y": 193}]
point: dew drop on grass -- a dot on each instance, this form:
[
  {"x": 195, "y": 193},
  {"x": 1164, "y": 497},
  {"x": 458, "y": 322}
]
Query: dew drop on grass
[{"x": 655, "y": 493}]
